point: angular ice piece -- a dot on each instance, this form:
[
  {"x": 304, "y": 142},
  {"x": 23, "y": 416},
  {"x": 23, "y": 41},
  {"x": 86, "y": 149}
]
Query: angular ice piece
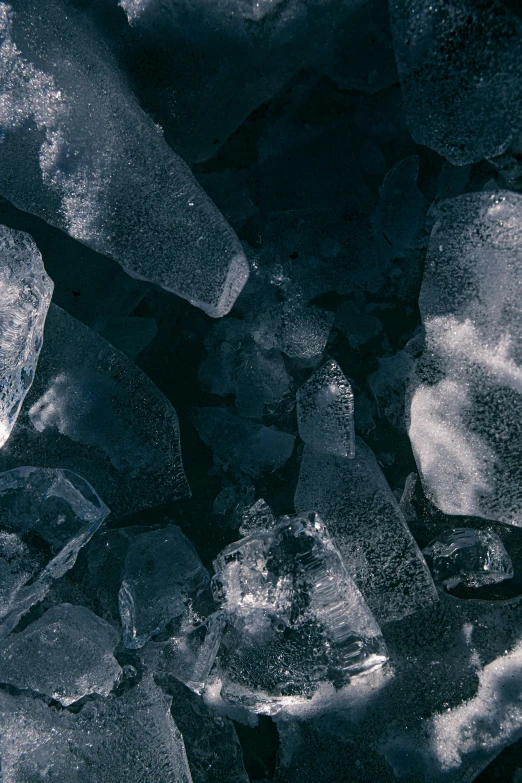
[
  {"x": 460, "y": 68},
  {"x": 471, "y": 557},
  {"x": 93, "y": 411},
  {"x": 257, "y": 519},
  {"x": 25, "y": 295},
  {"x": 244, "y": 444},
  {"x": 466, "y": 392},
  {"x": 366, "y": 524},
  {"x": 56, "y": 506},
  {"x": 96, "y": 166},
  {"x": 163, "y": 573},
  {"x": 296, "y": 619},
  {"x": 66, "y": 654},
  {"x": 305, "y": 330},
  {"x": 325, "y": 411},
  {"x": 402, "y": 208},
  {"x": 130, "y": 739}
]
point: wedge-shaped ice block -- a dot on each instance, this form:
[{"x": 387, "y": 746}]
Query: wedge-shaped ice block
[
  {"x": 93, "y": 411},
  {"x": 41, "y": 504},
  {"x": 130, "y": 739},
  {"x": 25, "y": 295},
  {"x": 78, "y": 151},
  {"x": 163, "y": 573},
  {"x": 296, "y": 619},
  {"x": 466, "y": 391},
  {"x": 366, "y": 524},
  {"x": 460, "y": 68},
  {"x": 325, "y": 411},
  {"x": 66, "y": 654},
  {"x": 471, "y": 557}
]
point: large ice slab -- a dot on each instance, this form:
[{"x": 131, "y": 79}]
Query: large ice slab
[
  {"x": 93, "y": 411},
  {"x": 78, "y": 151},
  {"x": 466, "y": 393},
  {"x": 460, "y": 68},
  {"x": 25, "y": 295},
  {"x": 366, "y": 524}
]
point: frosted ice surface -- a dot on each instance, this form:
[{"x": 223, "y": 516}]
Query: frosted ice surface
[
  {"x": 244, "y": 444},
  {"x": 460, "y": 68},
  {"x": 257, "y": 518},
  {"x": 466, "y": 393},
  {"x": 325, "y": 411},
  {"x": 93, "y": 411},
  {"x": 305, "y": 330},
  {"x": 66, "y": 654},
  {"x": 59, "y": 507},
  {"x": 296, "y": 619},
  {"x": 129, "y": 739},
  {"x": 97, "y": 167},
  {"x": 25, "y": 295},
  {"x": 163, "y": 573},
  {"x": 366, "y": 524},
  {"x": 473, "y": 557}
]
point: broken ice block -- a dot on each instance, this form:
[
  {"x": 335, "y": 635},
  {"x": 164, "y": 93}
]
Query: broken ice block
[
  {"x": 163, "y": 573},
  {"x": 257, "y": 518},
  {"x": 296, "y": 619},
  {"x": 366, "y": 524},
  {"x": 53, "y": 506},
  {"x": 471, "y": 557},
  {"x": 25, "y": 295},
  {"x": 78, "y": 151},
  {"x": 93, "y": 411},
  {"x": 305, "y": 330},
  {"x": 325, "y": 411},
  {"x": 466, "y": 391},
  {"x": 460, "y": 68},
  {"x": 129, "y": 739},
  {"x": 244, "y": 444},
  {"x": 66, "y": 654}
]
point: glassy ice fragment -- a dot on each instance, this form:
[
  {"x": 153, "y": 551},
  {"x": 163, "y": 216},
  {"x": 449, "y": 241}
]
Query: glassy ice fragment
[
  {"x": 305, "y": 330},
  {"x": 257, "y": 518},
  {"x": 471, "y": 557},
  {"x": 25, "y": 295},
  {"x": 325, "y": 411},
  {"x": 66, "y": 654}
]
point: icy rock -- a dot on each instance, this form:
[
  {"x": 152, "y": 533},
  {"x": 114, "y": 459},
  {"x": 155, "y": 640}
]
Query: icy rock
[
  {"x": 296, "y": 619},
  {"x": 93, "y": 411},
  {"x": 66, "y": 654},
  {"x": 471, "y": 557},
  {"x": 325, "y": 411},
  {"x": 56, "y": 506},
  {"x": 163, "y": 573},
  {"x": 366, "y": 524},
  {"x": 401, "y": 211},
  {"x": 466, "y": 392},
  {"x": 460, "y": 68},
  {"x": 95, "y": 165},
  {"x": 130, "y": 739},
  {"x": 25, "y": 295},
  {"x": 244, "y": 444}
]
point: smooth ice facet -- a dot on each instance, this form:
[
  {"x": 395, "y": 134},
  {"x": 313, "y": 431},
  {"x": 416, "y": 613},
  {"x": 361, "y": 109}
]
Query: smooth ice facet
[{"x": 471, "y": 557}]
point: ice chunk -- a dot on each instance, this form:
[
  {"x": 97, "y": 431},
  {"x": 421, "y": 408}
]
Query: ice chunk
[
  {"x": 93, "y": 411},
  {"x": 66, "y": 654},
  {"x": 95, "y": 165},
  {"x": 25, "y": 295},
  {"x": 244, "y": 444},
  {"x": 54, "y": 506},
  {"x": 401, "y": 211},
  {"x": 130, "y": 739},
  {"x": 471, "y": 557},
  {"x": 325, "y": 411},
  {"x": 163, "y": 573},
  {"x": 366, "y": 524},
  {"x": 460, "y": 68},
  {"x": 257, "y": 519},
  {"x": 295, "y": 617},
  {"x": 466, "y": 393},
  {"x": 305, "y": 330}
]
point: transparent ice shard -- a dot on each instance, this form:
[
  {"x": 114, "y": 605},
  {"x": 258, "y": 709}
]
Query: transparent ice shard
[
  {"x": 296, "y": 619},
  {"x": 66, "y": 654},
  {"x": 91, "y": 410},
  {"x": 257, "y": 518},
  {"x": 25, "y": 295},
  {"x": 325, "y": 411},
  {"x": 471, "y": 557},
  {"x": 59, "y": 508},
  {"x": 366, "y": 524}
]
